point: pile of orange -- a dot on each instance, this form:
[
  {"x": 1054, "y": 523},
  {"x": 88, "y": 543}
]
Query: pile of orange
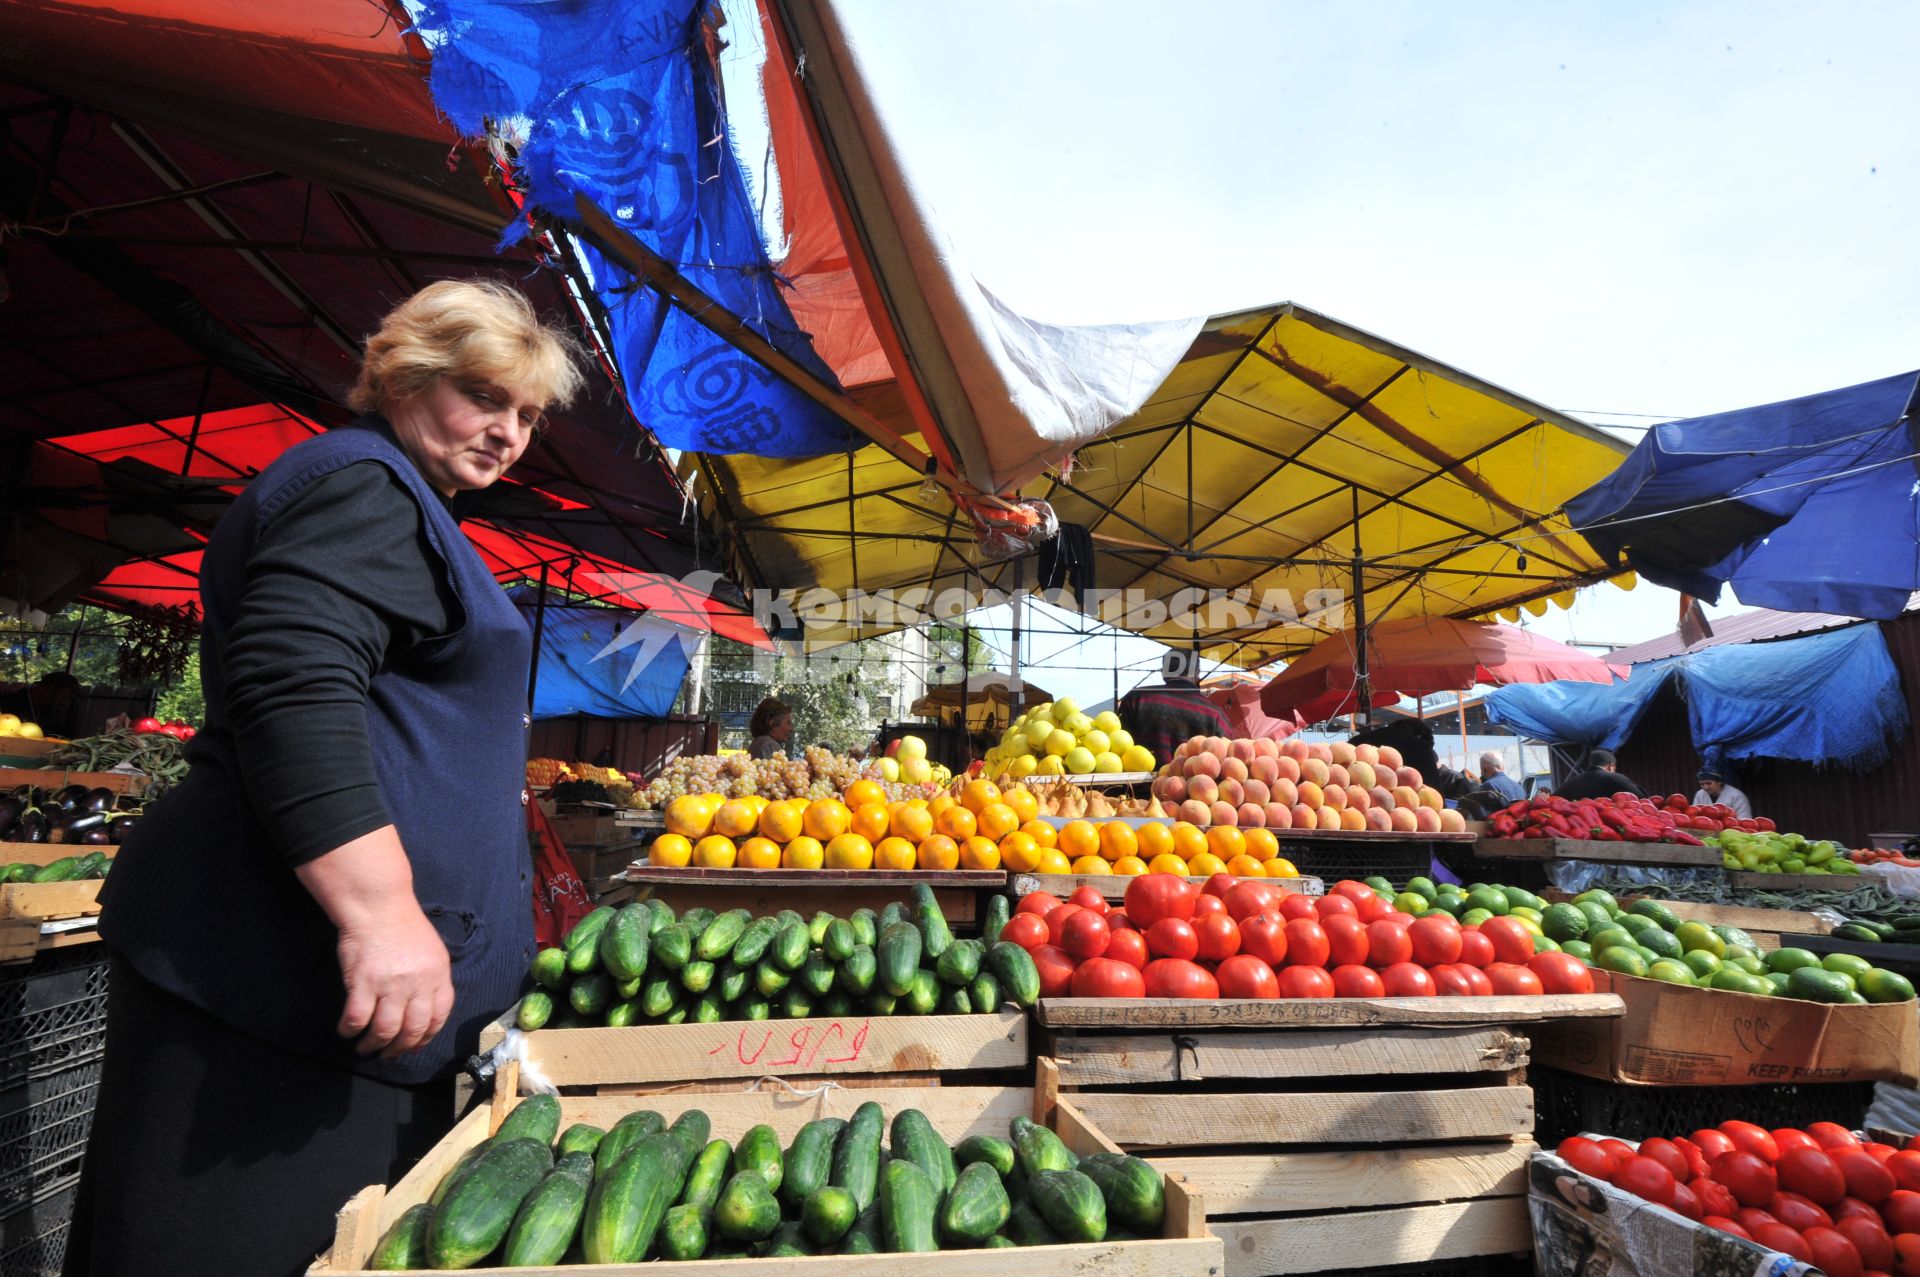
[{"x": 984, "y": 828}]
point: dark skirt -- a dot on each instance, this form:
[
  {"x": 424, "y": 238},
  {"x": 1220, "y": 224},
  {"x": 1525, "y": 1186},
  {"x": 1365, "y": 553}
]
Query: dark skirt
[{"x": 215, "y": 1152}]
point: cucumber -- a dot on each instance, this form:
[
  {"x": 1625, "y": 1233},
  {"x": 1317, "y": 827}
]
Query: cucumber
[
  {"x": 753, "y": 941},
  {"x": 754, "y": 1007},
  {"x": 549, "y": 1219},
  {"x": 996, "y": 1153},
  {"x": 923, "y": 995},
  {"x": 474, "y": 1218},
  {"x": 997, "y": 1241},
  {"x": 864, "y": 1237},
  {"x": 955, "y": 1001},
  {"x": 583, "y": 942},
  {"x": 673, "y": 947},
  {"x": 580, "y": 1138},
  {"x": 693, "y": 1129},
  {"x": 787, "y": 916},
  {"x": 624, "y": 1014},
  {"x": 708, "y": 1009},
  {"x": 796, "y": 1003},
  {"x": 627, "y": 1132},
  {"x": 808, "y": 1164},
  {"x": 899, "y": 958},
  {"x": 977, "y": 1208},
  {"x": 909, "y": 1201},
  {"x": 836, "y": 1005},
  {"x": 935, "y": 936},
  {"x": 880, "y": 1002},
  {"x": 623, "y": 943},
  {"x": 697, "y": 976},
  {"x": 452, "y": 1177},
  {"x": 789, "y": 948},
  {"x": 662, "y": 916},
  {"x": 405, "y": 1245},
  {"x": 855, "y": 975},
  {"x": 1135, "y": 1193},
  {"x": 856, "y": 1154},
  {"x": 827, "y": 1215},
  {"x": 628, "y": 1203},
  {"x": 865, "y": 925},
  {"x": 1071, "y": 1204},
  {"x": 683, "y": 1233},
  {"x": 708, "y": 1176},
  {"x": 915, "y": 1140},
  {"x": 746, "y": 1211},
  {"x": 960, "y": 963},
  {"x": 985, "y": 993},
  {"x": 1025, "y": 1227},
  {"x": 999, "y": 913},
  {"x": 65, "y": 869},
  {"x": 759, "y": 1151},
  {"x": 787, "y": 1241},
  {"x": 732, "y": 981},
  {"x": 628, "y": 990},
  {"x": 697, "y": 920},
  {"x": 770, "y": 978},
  {"x": 535, "y": 1118},
  {"x": 1037, "y": 1148},
  {"x": 535, "y": 1009},
  {"x": 1856, "y": 931},
  {"x": 591, "y": 994},
  {"x": 657, "y": 996},
  {"x": 1013, "y": 967},
  {"x": 817, "y": 975},
  {"x": 817, "y": 927},
  {"x": 717, "y": 941},
  {"x": 678, "y": 1012},
  {"x": 892, "y": 913},
  {"x": 550, "y": 969}
]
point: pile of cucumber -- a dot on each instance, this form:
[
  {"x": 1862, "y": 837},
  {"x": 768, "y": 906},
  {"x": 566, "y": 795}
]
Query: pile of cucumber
[
  {"x": 1904, "y": 929},
  {"x": 643, "y": 965},
  {"x": 66, "y": 869},
  {"x": 648, "y": 1189}
]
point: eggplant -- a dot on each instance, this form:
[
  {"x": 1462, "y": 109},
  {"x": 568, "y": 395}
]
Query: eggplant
[
  {"x": 98, "y": 836},
  {"x": 32, "y": 827},
  {"x": 73, "y": 828},
  {"x": 99, "y": 800},
  {"x": 11, "y": 808},
  {"x": 118, "y": 828}
]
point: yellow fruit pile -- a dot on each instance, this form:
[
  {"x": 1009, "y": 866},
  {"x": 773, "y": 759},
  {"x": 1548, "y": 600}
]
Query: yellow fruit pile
[
  {"x": 12, "y": 725},
  {"x": 1056, "y": 739},
  {"x": 985, "y": 827}
]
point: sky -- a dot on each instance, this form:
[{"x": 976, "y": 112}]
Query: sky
[{"x": 1629, "y": 211}]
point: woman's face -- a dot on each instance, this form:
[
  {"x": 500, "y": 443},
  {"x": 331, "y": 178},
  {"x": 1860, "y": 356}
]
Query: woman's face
[
  {"x": 781, "y": 727},
  {"x": 465, "y": 433}
]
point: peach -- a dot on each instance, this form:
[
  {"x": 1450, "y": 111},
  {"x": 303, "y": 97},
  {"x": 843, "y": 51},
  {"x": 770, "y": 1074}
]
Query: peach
[
  {"x": 1170, "y": 789},
  {"x": 1368, "y": 754},
  {"x": 1338, "y": 775},
  {"x": 1279, "y": 816},
  {"x": 1232, "y": 792},
  {"x": 1430, "y": 797},
  {"x": 1388, "y": 756},
  {"x": 1402, "y": 796},
  {"x": 1316, "y": 771},
  {"x": 1201, "y": 765},
  {"x": 1379, "y": 820},
  {"x": 1222, "y": 814},
  {"x": 1251, "y": 815},
  {"x": 1184, "y": 748},
  {"x": 1353, "y": 820},
  {"x": 1452, "y": 822},
  {"x": 1311, "y": 795},
  {"x": 1342, "y": 752},
  {"x": 1218, "y": 746},
  {"x": 1203, "y": 788},
  {"x": 1426, "y": 820},
  {"x": 1408, "y": 776},
  {"x": 1358, "y": 798},
  {"x": 1330, "y": 818},
  {"x": 1265, "y": 769},
  {"x": 1241, "y": 749},
  {"x": 1195, "y": 812},
  {"x": 1335, "y": 797},
  {"x": 1295, "y": 748},
  {"x": 1361, "y": 774},
  {"x": 1285, "y": 791},
  {"x": 1305, "y": 817},
  {"x": 1235, "y": 768},
  {"x": 1380, "y": 798},
  {"x": 1256, "y": 791},
  {"x": 1266, "y": 747},
  {"x": 1321, "y": 750},
  {"x": 1289, "y": 767},
  {"x": 1403, "y": 821}
]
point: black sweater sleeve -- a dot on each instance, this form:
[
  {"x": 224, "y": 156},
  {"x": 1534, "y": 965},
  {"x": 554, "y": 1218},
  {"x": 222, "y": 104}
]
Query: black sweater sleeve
[{"x": 340, "y": 584}]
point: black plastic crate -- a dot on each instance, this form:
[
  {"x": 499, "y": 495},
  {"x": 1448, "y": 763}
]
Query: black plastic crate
[
  {"x": 1332, "y": 861},
  {"x": 53, "y": 1012},
  {"x": 1568, "y": 1104},
  {"x": 44, "y": 1125},
  {"x": 33, "y": 1241}
]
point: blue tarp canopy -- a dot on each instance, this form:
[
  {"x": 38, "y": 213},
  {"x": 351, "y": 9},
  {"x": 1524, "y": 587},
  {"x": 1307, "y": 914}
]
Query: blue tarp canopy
[
  {"x": 1826, "y": 698},
  {"x": 1808, "y": 505},
  {"x": 605, "y": 663}
]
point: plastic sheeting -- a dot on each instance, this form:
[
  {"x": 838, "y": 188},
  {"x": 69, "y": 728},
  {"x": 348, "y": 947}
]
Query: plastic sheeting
[
  {"x": 604, "y": 663},
  {"x": 1826, "y": 698}
]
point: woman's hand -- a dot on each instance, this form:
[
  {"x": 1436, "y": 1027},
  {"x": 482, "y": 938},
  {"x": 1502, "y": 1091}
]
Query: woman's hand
[{"x": 399, "y": 982}]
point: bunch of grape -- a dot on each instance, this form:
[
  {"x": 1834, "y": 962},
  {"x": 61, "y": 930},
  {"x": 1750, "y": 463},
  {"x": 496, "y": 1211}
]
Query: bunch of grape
[{"x": 821, "y": 774}]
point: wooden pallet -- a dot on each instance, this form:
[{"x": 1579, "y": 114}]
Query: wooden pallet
[
  {"x": 1114, "y": 886},
  {"x": 1799, "y": 882},
  {"x": 840, "y": 891},
  {"x": 55, "y": 778},
  {"x": 1620, "y": 853}
]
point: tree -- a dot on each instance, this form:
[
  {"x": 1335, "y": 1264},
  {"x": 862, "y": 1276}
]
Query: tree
[
  {"x": 947, "y": 645},
  {"x": 93, "y": 637}
]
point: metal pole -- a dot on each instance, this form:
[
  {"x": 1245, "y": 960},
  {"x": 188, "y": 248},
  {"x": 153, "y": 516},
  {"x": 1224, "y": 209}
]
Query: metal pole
[
  {"x": 73, "y": 644},
  {"x": 539, "y": 633},
  {"x": 1459, "y": 703},
  {"x": 1362, "y": 684}
]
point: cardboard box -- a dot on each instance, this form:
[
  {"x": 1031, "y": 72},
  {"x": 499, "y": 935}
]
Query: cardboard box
[
  {"x": 1672, "y": 1035},
  {"x": 1584, "y": 1227},
  {"x": 577, "y": 829}
]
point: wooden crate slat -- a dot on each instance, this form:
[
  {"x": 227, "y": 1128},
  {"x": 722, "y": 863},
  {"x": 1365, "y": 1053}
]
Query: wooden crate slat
[
  {"x": 1262, "y": 1183},
  {"x": 1114, "y": 886},
  {"x": 1375, "y": 1239},
  {"x": 1799, "y": 882},
  {"x": 1193, "y": 1013},
  {"x": 45, "y": 901},
  {"x": 1136, "y": 1120},
  {"x": 1197, "y": 1257},
  {"x": 59, "y": 778},
  {"x": 45, "y": 853},
  {"x": 1104, "y": 1060},
  {"x": 1625, "y": 853}
]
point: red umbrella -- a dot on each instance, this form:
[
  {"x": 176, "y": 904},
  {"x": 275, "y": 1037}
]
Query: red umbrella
[
  {"x": 1418, "y": 655},
  {"x": 1241, "y": 702}
]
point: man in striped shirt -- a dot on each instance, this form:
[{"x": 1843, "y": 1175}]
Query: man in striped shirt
[{"x": 1162, "y": 718}]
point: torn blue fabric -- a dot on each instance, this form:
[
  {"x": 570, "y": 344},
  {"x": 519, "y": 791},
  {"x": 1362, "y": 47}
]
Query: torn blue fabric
[{"x": 579, "y": 674}]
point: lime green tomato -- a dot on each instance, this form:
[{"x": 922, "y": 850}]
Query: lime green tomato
[
  {"x": 1788, "y": 960},
  {"x": 1474, "y": 917},
  {"x": 1734, "y": 980},
  {"x": 1491, "y": 899},
  {"x": 1670, "y": 970},
  {"x": 1412, "y": 902},
  {"x": 1622, "y": 959},
  {"x": 1598, "y": 897},
  {"x": 1817, "y": 985},
  {"x": 1578, "y": 948},
  {"x": 1663, "y": 943},
  {"x": 1879, "y": 985},
  {"x": 1847, "y": 964},
  {"x": 1700, "y": 962},
  {"x": 1607, "y": 937},
  {"x": 1422, "y": 887},
  {"x": 1543, "y": 944}
]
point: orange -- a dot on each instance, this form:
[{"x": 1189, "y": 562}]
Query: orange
[
  {"x": 940, "y": 802},
  {"x": 1206, "y": 865},
  {"x": 1225, "y": 842},
  {"x": 978, "y": 853},
  {"x": 938, "y": 852},
  {"x": 1092, "y": 865},
  {"x": 803, "y": 853},
  {"x": 1261, "y": 844},
  {"x": 978, "y": 794},
  {"x": 1053, "y": 862},
  {"x": 826, "y": 819},
  {"x": 1246, "y": 867},
  {"x": 1154, "y": 839},
  {"x": 911, "y": 823},
  {"x": 1079, "y": 838},
  {"x": 690, "y": 816},
  {"x": 781, "y": 821},
  {"x": 849, "y": 851},
  {"x": 759, "y": 853},
  {"x": 1117, "y": 839},
  {"x": 1019, "y": 852},
  {"x": 996, "y": 821},
  {"x": 1021, "y": 799},
  {"x": 670, "y": 851},
  {"x": 862, "y": 792},
  {"x": 894, "y": 853},
  {"x": 1041, "y": 832},
  {"x": 1168, "y": 864},
  {"x": 735, "y": 819},
  {"x": 1281, "y": 867},
  {"x": 714, "y": 852},
  {"x": 871, "y": 821},
  {"x": 756, "y": 801},
  {"x": 955, "y": 822},
  {"x": 1129, "y": 866},
  {"x": 1188, "y": 840}
]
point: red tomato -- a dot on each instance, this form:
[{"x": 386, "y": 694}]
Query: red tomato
[
  {"x": 1040, "y": 902},
  {"x": 1668, "y": 1154},
  {"x": 1173, "y": 938},
  {"x": 1785, "y": 1240},
  {"x": 1869, "y": 1238},
  {"x": 1512, "y": 942},
  {"x": 1151, "y": 897},
  {"x": 1513, "y": 980},
  {"x": 1748, "y": 1177},
  {"x": 1251, "y": 897},
  {"x": 1056, "y": 970},
  {"x": 1245, "y": 976},
  {"x": 1178, "y": 978},
  {"x": 1475, "y": 949},
  {"x": 1450, "y": 980},
  {"x": 1388, "y": 945},
  {"x": 1264, "y": 936},
  {"x": 1089, "y": 897},
  {"x": 1834, "y": 1253},
  {"x": 1208, "y": 906},
  {"x": 1797, "y": 1213},
  {"x": 1436, "y": 940},
  {"x": 1482, "y": 983},
  {"x": 1905, "y": 1166},
  {"x": 1346, "y": 939},
  {"x": 1298, "y": 906},
  {"x": 1906, "y": 1254},
  {"x": 1351, "y": 889},
  {"x": 1027, "y": 930},
  {"x": 1306, "y": 944},
  {"x": 1644, "y": 1177},
  {"x": 1409, "y": 980},
  {"x": 1561, "y": 973},
  {"x": 1219, "y": 885},
  {"x": 1752, "y": 1139},
  {"x": 1117, "y": 920},
  {"x": 1711, "y": 1143},
  {"x": 147, "y": 725},
  {"x": 1327, "y": 906},
  {"x": 1219, "y": 936},
  {"x": 1350, "y": 980},
  {"x": 1714, "y": 1197},
  {"x": 1725, "y": 1225},
  {"x": 1057, "y": 922},
  {"x": 1578, "y": 1151},
  {"x": 1371, "y": 908},
  {"x": 1696, "y": 1160},
  {"x": 1085, "y": 936},
  {"x": 1786, "y": 1137},
  {"x": 1107, "y": 978},
  {"x": 1832, "y": 1135},
  {"x": 1867, "y": 1176},
  {"x": 1901, "y": 1210},
  {"x": 1306, "y": 982},
  {"x": 1880, "y": 1151},
  {"x": 1129, "y": 947},
  {"x": 1618, "y": 1150},
  {"x": 1751, "y": 1217},
  {"x": 1397, "y": 918},
  {"x": 1853, "y": 1207},
  {"x": 1684, "y": 1202},
  {"x": 1812, "y": 1173}
]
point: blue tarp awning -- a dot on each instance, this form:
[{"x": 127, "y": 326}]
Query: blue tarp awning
[
  {"x": 1826, "y": 698},
  {"x": 606, "y": 663}
]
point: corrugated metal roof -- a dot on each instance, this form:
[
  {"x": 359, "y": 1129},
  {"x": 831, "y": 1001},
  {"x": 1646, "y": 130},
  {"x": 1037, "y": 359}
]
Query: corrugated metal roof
[{"x": 1756, "y": 626}]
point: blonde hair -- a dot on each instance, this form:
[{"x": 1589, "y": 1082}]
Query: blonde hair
[{"x": 466, "y": 328}]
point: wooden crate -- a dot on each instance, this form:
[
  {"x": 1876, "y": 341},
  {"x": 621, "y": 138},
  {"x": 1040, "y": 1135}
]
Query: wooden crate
[
  {"x": 1398, "y": 1133},
  {"x": 16, "y": 750},
  {"x": 1621, "y": 853},
  {"x": 1766, "y": 926},
  {"x": 839, "y": 891},
  {"x": 46, "y": 915},
  {"x": 1186, "y": 1248},
  {"x": 1800, "y": 882},
  {"x": 55, "y": 778},
  {"x": 1114, "y": 886}
]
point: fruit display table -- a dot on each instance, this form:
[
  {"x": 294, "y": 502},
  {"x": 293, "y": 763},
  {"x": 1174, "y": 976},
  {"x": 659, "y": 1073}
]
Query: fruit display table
[
  {"x": 840, "y": 891},
  {"x": 1114, "y": 886},
  {"x": 1619, "y": 853}
]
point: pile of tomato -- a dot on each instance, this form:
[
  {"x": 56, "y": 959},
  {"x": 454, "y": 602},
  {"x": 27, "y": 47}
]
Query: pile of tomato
[
  {"x": 177, "y": 728},
  {"x": 1249, "y": 938},
  {"x": 1821, "y": 1195}
]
